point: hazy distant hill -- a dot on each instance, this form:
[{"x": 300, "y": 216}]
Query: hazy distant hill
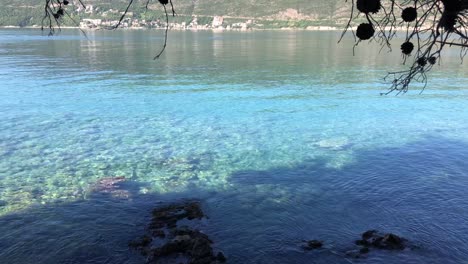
[{"x": 292, "y": 13}]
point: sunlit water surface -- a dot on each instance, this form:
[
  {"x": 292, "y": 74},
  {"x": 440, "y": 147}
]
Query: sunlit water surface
[{"x": 283, "y": 136}]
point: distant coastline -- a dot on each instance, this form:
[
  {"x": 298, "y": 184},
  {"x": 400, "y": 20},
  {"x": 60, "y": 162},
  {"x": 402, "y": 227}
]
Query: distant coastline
[{"x": 311, "y": 28}]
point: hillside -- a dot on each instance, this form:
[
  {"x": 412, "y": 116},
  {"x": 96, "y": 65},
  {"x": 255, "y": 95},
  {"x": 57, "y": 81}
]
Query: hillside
[{"x": 268, "y": 14}]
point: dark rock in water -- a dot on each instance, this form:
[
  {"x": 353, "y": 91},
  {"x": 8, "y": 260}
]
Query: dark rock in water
[
  {"x": 392, "y": 241},
  {"x": 181, "y": 232},
  {"x": 375, "y": 239},
  {"x": 169, "y": 215},
  {"x": 158, "y": 233},
  {"x": 220, "y": 257},
  {"x": 371, "y": 239},
  {"x": 192, "y": 245},
  {"x": 389, "y": 241},
  {"x": 364, "y": 250},
  {"x": 313, "y": 244},
  {"x": 362, "y": 242},
  {"x": 142, "y": 242},
  {"x": 368, "y": 234}
]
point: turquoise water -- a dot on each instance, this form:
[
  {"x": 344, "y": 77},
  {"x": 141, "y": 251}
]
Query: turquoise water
[{"x": 282, "y": 135}]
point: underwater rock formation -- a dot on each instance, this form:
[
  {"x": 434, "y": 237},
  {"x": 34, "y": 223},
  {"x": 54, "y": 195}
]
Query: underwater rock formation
[
  {"x": 371, "y": 239},
  {"x": 375, "y": 239},
  {"x": 169, "y": 243},
  {"x": 169, "y": 215},
  {"x": 313, "y": 244},
  {"x": 389, "y": 241},
  {"x": 110, "y": 186}
]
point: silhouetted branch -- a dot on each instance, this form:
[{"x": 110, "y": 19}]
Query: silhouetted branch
[
  {"x": 53, "y": 13},
  {"x": 55, "y": 10},
  {"x": 165, "y": 35},
  {"x": 430, "y": 24},
  {"x": 124, "y": 14},
  {"x": 172, "y": 8}
]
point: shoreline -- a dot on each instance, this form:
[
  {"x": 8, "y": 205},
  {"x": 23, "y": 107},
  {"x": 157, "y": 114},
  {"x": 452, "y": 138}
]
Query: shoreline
[
  {"x": 310, "y": 28},
  {"x": 314, "y": 28}
]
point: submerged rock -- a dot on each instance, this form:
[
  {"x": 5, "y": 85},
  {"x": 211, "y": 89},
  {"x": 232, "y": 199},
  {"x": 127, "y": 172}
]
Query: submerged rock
[
  {"x": 313, "y": 244},
  {"x": 169, "y": 215},
  {"x": 177, "y": 244},
  {"x": 220, "y": 257},
  {"x": 158, "y": 233},
  {"x": 364, "y": 250},
  {"x": 388, "y": 241},
  {"x": 109, "y": 182},
  {"x": 368, "y": 234},
  {"x": 375, "y": 239},
  {"x": 110, "y": 186},
  {"x": 142, "y": 242},
  {"x": 196, "y": 246}
]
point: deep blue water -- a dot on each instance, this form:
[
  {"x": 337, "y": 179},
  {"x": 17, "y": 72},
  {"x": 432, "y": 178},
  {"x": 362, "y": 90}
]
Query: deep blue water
[{"x": 283, "y": 136}]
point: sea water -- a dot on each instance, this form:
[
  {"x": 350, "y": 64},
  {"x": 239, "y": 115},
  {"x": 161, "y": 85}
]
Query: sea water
[{"x": 283, "y": 137}]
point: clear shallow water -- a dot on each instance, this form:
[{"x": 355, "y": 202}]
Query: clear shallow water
[{"x": 282, "y": 135}]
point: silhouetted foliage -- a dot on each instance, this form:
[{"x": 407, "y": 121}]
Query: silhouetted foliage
[
  {"x": 54, "y": 11},
  {"x": 430, "y": 26}
]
